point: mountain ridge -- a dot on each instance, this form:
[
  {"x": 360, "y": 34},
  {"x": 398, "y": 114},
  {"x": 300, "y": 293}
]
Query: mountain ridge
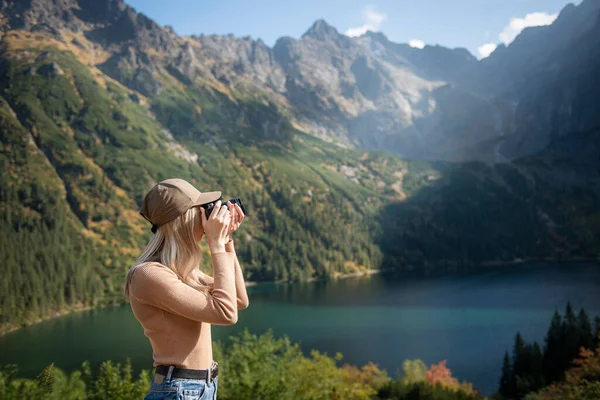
[
  {"x": 389, "y": 89},
  {"x": 350, "y": 105}
]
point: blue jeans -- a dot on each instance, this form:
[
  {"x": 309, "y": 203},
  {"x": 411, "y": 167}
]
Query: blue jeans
[{"x": 183, "y": 389}]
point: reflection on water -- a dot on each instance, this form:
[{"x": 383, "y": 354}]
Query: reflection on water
[{"x": 468, "y": 320}]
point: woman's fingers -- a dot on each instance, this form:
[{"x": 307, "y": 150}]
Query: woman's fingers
[
  {"x": 229, "y": 217},
  {"x": 232, "y": 210},
  {"x": 216, "y": 210},
  {"x": 227, "y": 224},
  {"x": 240, "y": 214},
  {"x": 225, "y": 213},
  {"x": 239, "y": 211},
  {"x": 222, "y": 211},
  {"x": 203, "y": 216},
  {"x": 221, "y": 222}
]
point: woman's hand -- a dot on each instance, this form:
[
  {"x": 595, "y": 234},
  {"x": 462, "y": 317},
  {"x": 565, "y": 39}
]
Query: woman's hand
[
  {"x": 237, "y": 215},
  {"x": 216, "y": 227}
]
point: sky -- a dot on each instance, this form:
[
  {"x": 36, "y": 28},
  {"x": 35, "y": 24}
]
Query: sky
[{"x": 478, "y": 25}]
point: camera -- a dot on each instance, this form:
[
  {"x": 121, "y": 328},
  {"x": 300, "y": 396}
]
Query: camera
[{"x": 210, "y": 206}]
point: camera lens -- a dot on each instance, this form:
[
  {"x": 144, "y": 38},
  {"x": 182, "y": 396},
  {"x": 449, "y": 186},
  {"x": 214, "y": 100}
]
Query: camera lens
[
  {"x": 238, "y": 201},
  {"x": 208, "y": 208}
]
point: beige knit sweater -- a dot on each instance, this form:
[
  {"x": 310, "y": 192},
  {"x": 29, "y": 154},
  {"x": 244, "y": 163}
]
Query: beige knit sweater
[{"x": 177, "y": 317}]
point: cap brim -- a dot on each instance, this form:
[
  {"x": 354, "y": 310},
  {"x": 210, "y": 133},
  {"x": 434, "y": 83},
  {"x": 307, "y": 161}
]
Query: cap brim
[{"x": 207, "y": 197}]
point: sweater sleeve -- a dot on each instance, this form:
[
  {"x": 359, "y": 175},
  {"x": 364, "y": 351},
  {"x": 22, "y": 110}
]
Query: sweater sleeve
[
  {"x": 159, "y": 286},
  {"x": 240, "y": 285}
]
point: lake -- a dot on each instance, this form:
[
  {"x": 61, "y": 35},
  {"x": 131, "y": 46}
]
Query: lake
[{"x": 468, "y": 320}]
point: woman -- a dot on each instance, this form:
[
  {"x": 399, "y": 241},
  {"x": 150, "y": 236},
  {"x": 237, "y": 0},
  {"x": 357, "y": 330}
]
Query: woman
[{"x": 173, "y": 300}]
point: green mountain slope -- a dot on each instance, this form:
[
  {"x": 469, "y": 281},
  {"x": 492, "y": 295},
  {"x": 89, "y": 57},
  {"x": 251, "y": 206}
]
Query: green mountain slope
[{"x": 545, "y": 207}]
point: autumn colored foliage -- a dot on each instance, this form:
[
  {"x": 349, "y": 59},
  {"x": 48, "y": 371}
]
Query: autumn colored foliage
[
  {"x": 416, "y": 381},
  {"x": 582, "y": 382},
  {"x": 440, "y": 374}
]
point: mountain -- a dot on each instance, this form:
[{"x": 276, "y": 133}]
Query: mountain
[
  {"x": 547, "y": 81},
  {"x": 98, "y": 103},
  {"x": 369, "y": 94},
  {"x": 537, "y": 48},
  {"x": 432, "y": 103}
]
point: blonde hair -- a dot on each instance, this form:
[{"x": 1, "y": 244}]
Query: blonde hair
[{"x": 174, "y": 245}]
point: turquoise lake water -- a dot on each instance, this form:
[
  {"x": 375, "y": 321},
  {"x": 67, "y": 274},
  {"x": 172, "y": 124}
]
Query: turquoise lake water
[{"x": 467, "y": 320}]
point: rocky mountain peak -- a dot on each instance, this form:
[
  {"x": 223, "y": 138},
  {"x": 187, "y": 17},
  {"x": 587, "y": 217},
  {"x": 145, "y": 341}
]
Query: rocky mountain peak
[
  {"x": 534, "y": 48},
  {"x": 321, "y": 30},
  {"x": 101, "y": 11},
  {"x": 569, "y": 8},
  {"x": 104, "y": 21},
  {"x": 376, "y": 36}
]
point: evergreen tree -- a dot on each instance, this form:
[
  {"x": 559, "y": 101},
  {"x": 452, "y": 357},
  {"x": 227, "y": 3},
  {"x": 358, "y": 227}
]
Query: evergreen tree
[
  {"x": 518, "y": 362},
  {"x": 518, "y": 352},
  {"x": 570, "y": 344},
  {"x": 537, "y": 368},
  {"x": 551, "y": 357},
  {"x": 533, "y": 368},
  {"x": 507, "y": 378},
  {"x": 570, "y": 319},
  {"x": 586, "y": 336}
]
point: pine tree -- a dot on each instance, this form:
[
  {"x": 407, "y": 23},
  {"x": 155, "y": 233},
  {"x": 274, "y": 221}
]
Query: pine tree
[
  {"x": 586, "y": 336},
  {"x": 507, "y": 378},
  {"x": 537, "y": 368},
  {"x": 552, "y": 349},
  {"x": 570, "y": 319},
  {"x": 518, "y": 362},
  {"x": 518, "y": 351},
  {"x": 570, "y": 345}
]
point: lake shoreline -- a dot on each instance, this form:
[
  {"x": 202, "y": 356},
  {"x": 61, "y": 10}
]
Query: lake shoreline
[
  {"x": 60, "y": 313},
  {"x": 484, "y": 266},
  {"x": 76, "y": 309}
]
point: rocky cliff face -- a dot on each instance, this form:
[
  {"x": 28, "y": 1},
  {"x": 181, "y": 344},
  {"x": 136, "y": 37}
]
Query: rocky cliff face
[
  {"x": 375, "y": 94},
  {"x": 547, "y": 80},
  {"x": 333, "y": 80},
  {"x": 233, "y": 61},
  {"x": 109, "y": 22},
  {"x": 535, "y": 50},
  {"x": 434, "y": 63}
]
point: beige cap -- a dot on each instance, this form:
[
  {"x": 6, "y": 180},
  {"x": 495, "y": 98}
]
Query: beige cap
[{"x": 170, "y": 198}]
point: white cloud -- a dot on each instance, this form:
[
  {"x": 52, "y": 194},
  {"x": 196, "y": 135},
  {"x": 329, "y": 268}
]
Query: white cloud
[
  {"x": 486, "y": 49},
  {"x": 373, "y": 20},
  {"x": 516, "y": 25},
  {"x": 417, "y": 44},
  {"x": 514, "y": 28}
]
